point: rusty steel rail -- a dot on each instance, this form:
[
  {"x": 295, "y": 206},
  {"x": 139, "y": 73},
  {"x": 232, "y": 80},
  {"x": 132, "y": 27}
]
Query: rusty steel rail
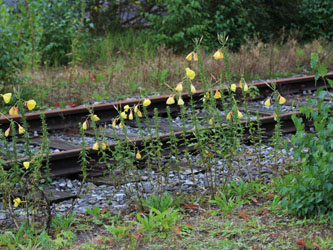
[
  {"x": 69, "y": 118},
  {"x": 68, "y": 162}
]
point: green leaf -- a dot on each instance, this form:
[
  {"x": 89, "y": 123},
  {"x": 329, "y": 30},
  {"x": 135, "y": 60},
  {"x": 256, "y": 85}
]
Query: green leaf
[
  {"x": 314, "y": 60},
  {"x": 322, "y": 69},
  {"x": 330, "y": 82}
]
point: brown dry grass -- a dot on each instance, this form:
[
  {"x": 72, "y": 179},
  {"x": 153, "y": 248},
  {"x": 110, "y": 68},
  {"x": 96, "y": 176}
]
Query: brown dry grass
[{"x": 124, "y": 75}]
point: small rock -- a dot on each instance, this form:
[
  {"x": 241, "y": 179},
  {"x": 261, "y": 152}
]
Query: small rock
[
  {"x": 69, "y": 184},
  {"x": 120, "y": 197},
  {"x": 2, "y": 215}
]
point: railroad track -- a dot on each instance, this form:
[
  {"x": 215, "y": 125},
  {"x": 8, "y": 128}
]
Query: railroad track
[{"x": 66, "y": 162}]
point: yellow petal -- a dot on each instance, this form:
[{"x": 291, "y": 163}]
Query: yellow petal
[
  {"x": 170, "y": 100},
  {"x": 274, "y": 116},
  {"x": 179, "y": 87},
  {"x": 136, "y": 108},
  {"x": 95, "y": 118},
  {"x": 180, "y": 101},
  {"x": 239, "y": 114},
  {"x": 130, "y": 115},
  {"x": 123, "y": 115},
  {"x": 233, "y": 87},
  {"x": 210, "y": 122},
  {"x": 195, "y": 56},
  {"x": 26, "y": 164},
  {"x": 189, "y": 56},
  {"x": 7, "y": 132},
  {"x": 13, "y": 110},
  {"x": 6, "y": 97},
  {"x": 17, "y": 202},
  {"x": 85, "y": 125},
  {"x": 246, "y": 87},
  {"x": 193, "y": 90},
  {"x": 218, "y": 55},
  {"x": 190, "y": 73},
  {"x": 126, "y": 108},
  {"x": 138, "y": 155},
  {"x": 21, "y": 130},
  {"x": 146, "y": 102},
  {"x": 95, "y": 146},
  {"x": 103, "y": 145},
  {"x": 241, "y": 84},
  {"x": 121, "y": 124},
  {"x": 139, "y": 113},
  {"x": 268, "y": 102},
  {"x": 282, "y": 100},
  {"x": 31, "y": 104},
  {"x": 114, "y": 123},
  {"x": 217, "y": 95},
  {"x": 229, "y": 115}
]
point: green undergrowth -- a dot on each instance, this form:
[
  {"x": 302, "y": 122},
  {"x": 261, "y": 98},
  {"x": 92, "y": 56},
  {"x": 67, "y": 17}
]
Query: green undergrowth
[{"x": 256, "y": 222}]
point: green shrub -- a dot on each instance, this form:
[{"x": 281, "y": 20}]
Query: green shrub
[
  {"x": 11, "y": 50},
  {"x": 183, "y": 21},
  {"x": 61, "y": 26},
  {"x": 309, "y": 192},
  {"x": 316, "y": 19},
  {"x": 232, "y": 19}
]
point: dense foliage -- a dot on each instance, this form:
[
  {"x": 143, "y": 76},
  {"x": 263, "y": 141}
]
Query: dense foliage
[
  {"x": 240, "y": 19},
  {"x": 310, "y": 192},
  {"x": 10, "y": 51}
]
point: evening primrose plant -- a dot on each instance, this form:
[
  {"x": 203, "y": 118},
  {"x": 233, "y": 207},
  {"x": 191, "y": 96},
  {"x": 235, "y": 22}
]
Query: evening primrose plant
[{"x": 22, "y": 182}]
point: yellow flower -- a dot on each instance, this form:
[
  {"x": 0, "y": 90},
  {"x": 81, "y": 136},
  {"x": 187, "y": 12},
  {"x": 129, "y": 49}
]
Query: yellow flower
[
  {"x": 6, "y": 97},
  {"x": 13, "y": 110},
  {"x": 96, "y": 146},
  {"x": 138, "y": 155},
  {"x": 233, "y": 87},
  {"x": 282, "y": 100},
  {"x": 137, "y": 110},
  {"x": 210, "y": 122},
  {"x": 239, "y": 114},
  {"x": 146, "y": 102},
  {"x": 218, "y": 55},
  {"x": 95, "y": 118},
  {"x": 21, "y": 129},
  {"x": 170, "y": 100},
  {"x": 123, "y": 115},
  {"x": 246, "y": 87},
  {"x": 85, "y": 125},
  {"x": 217, "y": 95},
  {"x": 190, "y": 73},
  {"x": 191, "y": 56},
  {"x": 180, "y": 101},
  {"x": 268, "y": 102},
  {"x": 195, "y": 56},
  {"x": 193, "y": 90},
  {"x": 121, "y": 124},
  {"x": 17, "y": 201},
  {"x": 126, "y": 108},
  {"x": 31, "y": 104},
  {"x": 179, "y": 87},
  {"x": 274, "y": 116},
  {"x": 130, "y": 115},
  {"x": 26, "y": 164},
  {"x": 114, "y": 123},
  {"x": 7, "y": 132},
  {"x": 229, "y": 115}
]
